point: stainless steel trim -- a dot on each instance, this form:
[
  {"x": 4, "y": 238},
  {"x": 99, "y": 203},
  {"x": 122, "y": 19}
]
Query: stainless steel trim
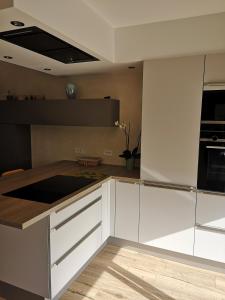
[
  {"x": 213, "y": 122},
  {"x": 67, "y": 253},
  {"x": 127, "y": 181},
  {"x": 209, "y": 228},
  {"x": 211, "y": 193},
  {"x": 215, "y": 147},
  {"x": 171, "y": 186},
  {"x": 211, "y": 140},
  {"x": 77, "y": 199},
  {"x": 60, "y": 225}
]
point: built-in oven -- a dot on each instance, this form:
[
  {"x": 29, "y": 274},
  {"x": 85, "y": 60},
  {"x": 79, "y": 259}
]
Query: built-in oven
[
  {"x": 213, "y": 106},
  {"x": 211, "y": 166}
]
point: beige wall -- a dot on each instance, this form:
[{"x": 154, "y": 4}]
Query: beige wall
[
  {"x": 22, "y": 81},
  {"x": 50, "y": 143}
]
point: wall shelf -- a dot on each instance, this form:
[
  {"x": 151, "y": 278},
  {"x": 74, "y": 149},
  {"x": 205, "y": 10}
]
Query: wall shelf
[{"x": 82, "y": 112}]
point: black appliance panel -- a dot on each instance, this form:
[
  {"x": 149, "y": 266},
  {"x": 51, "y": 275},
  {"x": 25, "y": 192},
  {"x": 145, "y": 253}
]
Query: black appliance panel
[
  {"x": 51, "y": 189},
  {"x": 211, "y": 164},
  {"x": 213, "y": 105},
  {"x": 42, "y": 42}
]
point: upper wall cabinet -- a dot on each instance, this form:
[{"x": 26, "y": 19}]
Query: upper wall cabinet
[
  {"x": 215, "y": 68},
  {"x": 171, "y": 113},
  {"x": 85, "y": 112}
]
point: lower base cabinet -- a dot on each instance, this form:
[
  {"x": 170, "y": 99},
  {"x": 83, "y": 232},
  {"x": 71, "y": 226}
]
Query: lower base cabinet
[
  {"x": 167, "y": 218},
  {"x": 210, "y": 243},
  {"x": 64, "y": 270},
  {"x": 127, "y": 210}
]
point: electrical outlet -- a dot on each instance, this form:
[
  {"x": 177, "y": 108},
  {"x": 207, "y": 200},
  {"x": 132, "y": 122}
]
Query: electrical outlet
[
  {"x": 108, "y": 152},
  {"x": 77, "y": 150}
]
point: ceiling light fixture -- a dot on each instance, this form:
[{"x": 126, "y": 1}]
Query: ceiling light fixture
[
  {"x": 7, "y": 57},
  {"x": 17, "y": 23}
]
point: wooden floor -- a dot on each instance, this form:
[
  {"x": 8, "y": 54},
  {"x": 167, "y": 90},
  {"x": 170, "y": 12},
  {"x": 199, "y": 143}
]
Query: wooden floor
[{"x": 123, "y": 273}]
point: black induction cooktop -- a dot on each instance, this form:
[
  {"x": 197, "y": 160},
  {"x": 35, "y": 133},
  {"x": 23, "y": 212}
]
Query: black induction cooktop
[{"x": 51, "y": 189}]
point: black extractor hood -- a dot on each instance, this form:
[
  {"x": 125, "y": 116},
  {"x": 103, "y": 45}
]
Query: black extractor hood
[{"x": 42, "y": 42}]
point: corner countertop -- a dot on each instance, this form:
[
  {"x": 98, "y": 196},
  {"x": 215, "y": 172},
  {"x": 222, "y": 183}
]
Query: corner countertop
[{"x": 19, "y": 213}]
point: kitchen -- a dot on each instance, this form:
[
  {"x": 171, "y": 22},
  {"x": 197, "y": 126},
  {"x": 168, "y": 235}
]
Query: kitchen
[{"x": 173, "y": 218}]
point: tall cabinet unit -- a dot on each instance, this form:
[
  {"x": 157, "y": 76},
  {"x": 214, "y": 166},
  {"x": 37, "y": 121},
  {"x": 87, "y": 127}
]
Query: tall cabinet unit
[{"x": 172, "y": 93}]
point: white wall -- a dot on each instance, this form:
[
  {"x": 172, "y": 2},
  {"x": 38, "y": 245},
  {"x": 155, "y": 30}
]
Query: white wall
[
  {"x": 73, "y": 19},
  {"x": 198, "y": 35}
]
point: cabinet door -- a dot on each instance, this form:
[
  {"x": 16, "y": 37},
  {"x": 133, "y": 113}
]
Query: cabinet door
[
  {"x": 210, "y": 243},
  {"x": 167, "y": 218},
  {"x": 210, "y": 210},
  {"x": 127, "y": 211},
  {"x": 171, "y": 113}
]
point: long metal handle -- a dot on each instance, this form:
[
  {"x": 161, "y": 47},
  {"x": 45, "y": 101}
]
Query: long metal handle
[
  {"x": 165, "y": 185},
  {"x": 76, "y": 199},
  {"x": 216, "y": 147},
  {"x": 213, "y": 122},
  {"x": 77, "y": 214},
  {"x": 211, "y": 229},
  {"x": 65, "y": 255},
  {"x": 222, "y": 194},
  {"x": 128, "y": 181},
  {"x": 212, "y": 141}
]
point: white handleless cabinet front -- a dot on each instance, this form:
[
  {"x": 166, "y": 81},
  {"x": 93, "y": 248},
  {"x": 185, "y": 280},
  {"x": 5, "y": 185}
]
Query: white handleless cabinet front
[
  {"x": 171, "y": 114},
  {"x": 127, "y": 210},
  {"x": 167, "y": 218},
  {"x": 210, "y": 227}
]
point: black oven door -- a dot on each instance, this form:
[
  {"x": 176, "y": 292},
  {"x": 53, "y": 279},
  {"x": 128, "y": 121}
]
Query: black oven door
[
  {"x": 211, "y": 166},
  {"x": 213, "y": 106}
]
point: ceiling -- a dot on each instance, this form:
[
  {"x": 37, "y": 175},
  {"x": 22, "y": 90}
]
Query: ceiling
[
  {"x": 119, "y": 33},
  {"x": 120, "y": 13}
]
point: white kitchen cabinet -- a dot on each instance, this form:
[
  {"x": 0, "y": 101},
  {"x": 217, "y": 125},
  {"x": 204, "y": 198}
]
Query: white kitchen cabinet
[
  {"x": 167, "y": 218},
  {"x": 105, "y": 211},
  {"x": 210, "y": 210},
  {"x": 210, "y": 227},
  {"x": 210, "y": 243},
  {"x": 127, "y": 210},
  {"x": 171, "y": 113}
]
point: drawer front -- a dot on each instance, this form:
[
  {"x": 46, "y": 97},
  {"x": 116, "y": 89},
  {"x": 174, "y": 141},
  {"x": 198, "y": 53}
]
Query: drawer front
[
  {"x": 210, "y": 245},
  {"x": 66, "y": 269},
  {"x": 67, "y": 234},
  {"x": 65, "y": 213},
  {"x": 210, "y": 210}
]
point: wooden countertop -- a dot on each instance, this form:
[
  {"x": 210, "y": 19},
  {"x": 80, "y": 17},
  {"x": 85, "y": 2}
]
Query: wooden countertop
[{"x": 21, "y": 213}]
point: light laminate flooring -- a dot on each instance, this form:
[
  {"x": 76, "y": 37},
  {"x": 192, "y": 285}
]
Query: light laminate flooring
[{"x": 126, "y": 274}]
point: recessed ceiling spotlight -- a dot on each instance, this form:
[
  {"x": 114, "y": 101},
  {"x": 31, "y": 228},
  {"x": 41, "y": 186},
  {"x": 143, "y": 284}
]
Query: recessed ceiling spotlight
[
  {"x": 131, "y": 67},
  {"x": 17, "y": 23},
  {"x": 7, "y": 57},
  {"x": 47, "y": 69}
]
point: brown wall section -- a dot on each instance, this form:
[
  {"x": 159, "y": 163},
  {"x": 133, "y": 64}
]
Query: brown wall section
[{"x": 51, "y": 143}]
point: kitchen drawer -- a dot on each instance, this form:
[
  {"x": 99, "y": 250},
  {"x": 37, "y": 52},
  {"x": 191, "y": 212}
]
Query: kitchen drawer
[
  {"x": 209, "y": 243},
  {"x": 68, "y": 233},
  {"x": 68, "y": 211},
  {"x": 65, "y": 269},
  {"x": 210, "y": 210}
]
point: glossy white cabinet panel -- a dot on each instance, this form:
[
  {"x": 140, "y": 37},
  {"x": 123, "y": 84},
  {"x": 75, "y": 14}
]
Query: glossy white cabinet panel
[
  {"x": 167, "y": 218},
  {"x": 65, "y": 213},
  {"x": 127, "y": 211},
  {"x": 105, "y": 211},
  {"x": 210, "y": 245},
  {"x": 73, "y": 262},
  {"x": 210, "y": 210},
  {"x": 171, "y": 113},
  {"x": 64, "y": 237}
]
